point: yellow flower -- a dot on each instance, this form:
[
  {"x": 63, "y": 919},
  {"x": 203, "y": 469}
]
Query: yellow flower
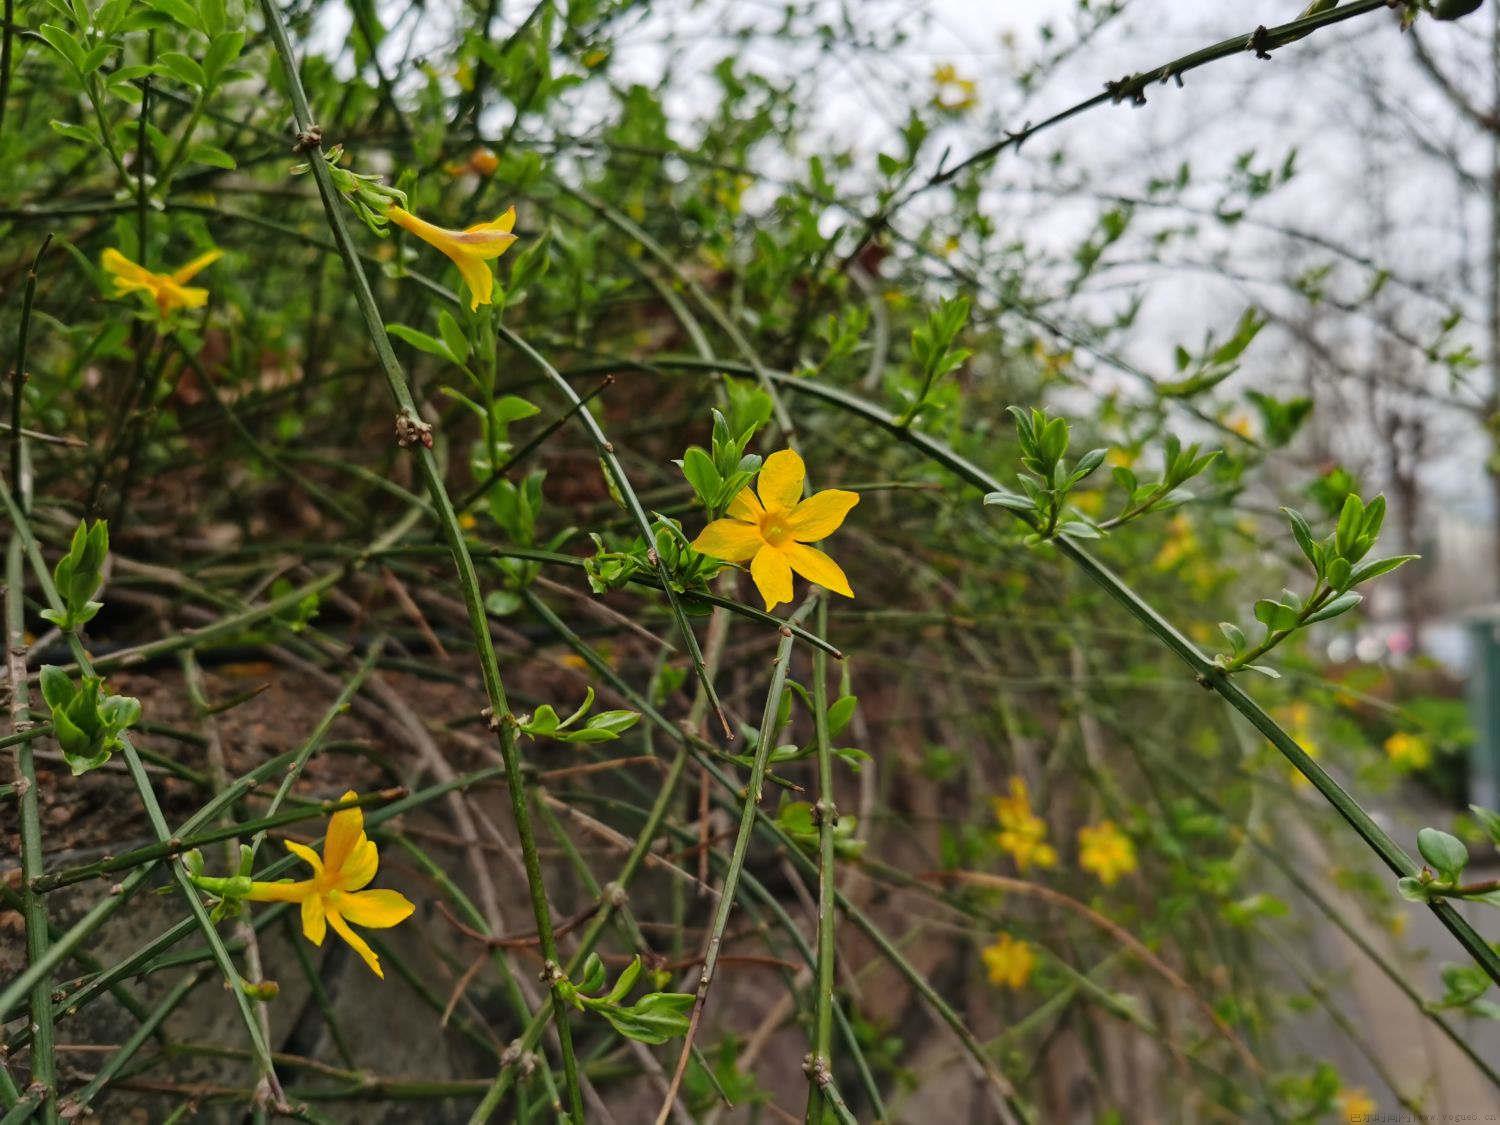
[
  {"x": 1106, "y": 851},
  {"x": 1356, "y": 1105},
  {"x": 1409, "y": 751},
  {"x": 1181, "y": 543},
  {"x": 772, "y": 530},
  {"x": 334, "y": 895},
  {"x": 471, "y": 248},
  {"x": 170, "y": 291},
  {"x": 953, "y": 93},
  {"x": 1022, "y": 833},
  {"x": 1008, "y": 961}
]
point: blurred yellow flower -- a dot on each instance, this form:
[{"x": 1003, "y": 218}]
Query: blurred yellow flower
[
  {"x": 1023, "y": 834},
  {"x": 1106, "y": 851},
  {"x": 1241, "y": 424},
  {"x": 772, "y": 530},
  {"x": 953, "y": 93},
  {"x": 1008, "y": 962},
  {"x": 170, "y": 291},
  {"x": 1356, "y": 1105},
  {"x": 334, "y": 896},
  {"x": 1297, "y": 718},
  {"x": 1179, "y": 545},
  {"x": 471, "y": 249},
  {"x": 1409, "y": 751}
]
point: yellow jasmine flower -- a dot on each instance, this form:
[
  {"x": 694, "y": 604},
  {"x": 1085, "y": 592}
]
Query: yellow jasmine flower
[
  {"x": 170, "y": 291},
  {"x": 1181, "y": 543},
  {"x": 1409, "y": 751},
  {"x": 1008, "y": 962},
  {"x": 1023, "y": 834},
  {"x": 1106, "y": 851},
  {"x": 334, "y": 896},
  {"x": 772, "y": 530},
  {"x": 952, "y": 92},
  {"x": 470, "y": 249},
  {"x": 1356, "y": 1105}
]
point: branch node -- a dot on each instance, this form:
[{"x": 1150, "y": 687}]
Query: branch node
[
  {"x": 411, "y": 430},
  {"x": 308, "y": 139},
  {"x": 1259, "y": 42}
]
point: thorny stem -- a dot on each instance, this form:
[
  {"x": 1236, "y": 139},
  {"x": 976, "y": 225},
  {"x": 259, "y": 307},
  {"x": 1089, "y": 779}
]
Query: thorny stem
[{"x": 500, "y": 712}]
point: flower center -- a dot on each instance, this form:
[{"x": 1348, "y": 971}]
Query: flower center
[{"x": 774, "y": 529}]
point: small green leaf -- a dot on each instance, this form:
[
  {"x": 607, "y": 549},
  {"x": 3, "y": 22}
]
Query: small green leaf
[{"x": 1445, "y": 853}]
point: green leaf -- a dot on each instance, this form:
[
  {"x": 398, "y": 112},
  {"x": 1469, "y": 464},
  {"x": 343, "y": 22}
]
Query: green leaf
[
  {"x": 453, "y": 336},
  {"x": 1341, "y": 604},
  {"x": 698, "y": 467},
  {"x": 1445, "y": 853},
  {"x": 1374, "y": 568},
  {"x": 212, "y": 156},
  {"x": 544, "y": 721},
  {"x": 1235, "y": 635},
  {"x": 64, "y": 44},
  {"x": 222, "y": 51},
  {"x": 422, "y": 341},
  {"x": 184, "y": 69},
  {"x": 1489, "y": 820}
]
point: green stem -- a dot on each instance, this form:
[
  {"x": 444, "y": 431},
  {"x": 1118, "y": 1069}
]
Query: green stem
[
  {"x": 763, "y": 747},
  {"x": 827, "y": 815},
  {"x": 1205, "y": 671},
  {"x": 33, "y": 904},
  {"x": 500, "y": 714},
  {"x": 180, "y": 844}
]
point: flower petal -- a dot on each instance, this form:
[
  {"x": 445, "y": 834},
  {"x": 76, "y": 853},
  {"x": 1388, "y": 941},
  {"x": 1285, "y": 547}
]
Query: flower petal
[
  {"x": 781, "y": 477},
  {"x": 346, "y": 831},
  {"x": 379, "y": 910},
  {"x": 820, "y": 514},
  {"x": 360, "y": 867},
  {"x": 477, "y": 277},
  {"x": 123, "y": 269},
  {"x": 314, "y": 920},
  {"x": 746, "y": 506},
  {"x": 182, "y": 296},
  {"x": 730, "y": 540},
  {"x": 357, "y": 943},
  {"x": 817, "y": 567},
  {"x": 305, "y": 854},
  {"x": 284, "y": 891},
  {"x": 772, "y": 575},
  {"x": 432, "y": 235},
  {"x": 196, "y": 266}
]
